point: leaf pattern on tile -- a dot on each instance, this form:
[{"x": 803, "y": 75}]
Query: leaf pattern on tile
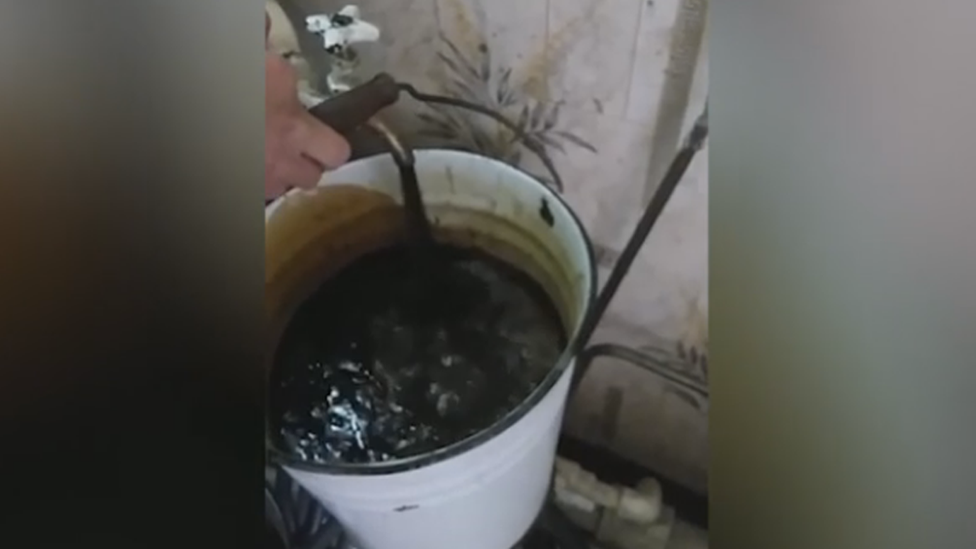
[
  {"x": 696, "y": 402},
  {"x": 688, "y": 363},
  {"x": 475, "y": 76},
  {"x": 694, "y": 360}
]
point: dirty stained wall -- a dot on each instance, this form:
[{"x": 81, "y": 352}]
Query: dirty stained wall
[{"x": 598, "y": 82}]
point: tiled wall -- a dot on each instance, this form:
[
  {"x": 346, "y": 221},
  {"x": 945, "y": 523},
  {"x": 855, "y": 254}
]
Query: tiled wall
[{"x": 586, "y": 78}]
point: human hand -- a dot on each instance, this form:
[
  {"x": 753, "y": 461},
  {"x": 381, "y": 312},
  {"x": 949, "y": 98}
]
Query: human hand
[{"x": 298, "y": 148}]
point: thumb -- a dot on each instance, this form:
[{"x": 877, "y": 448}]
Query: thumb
[{"x": 322, "y": 144}]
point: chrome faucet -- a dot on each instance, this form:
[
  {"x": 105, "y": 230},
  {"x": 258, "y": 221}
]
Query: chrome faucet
[{"x": 339, "y": 31}]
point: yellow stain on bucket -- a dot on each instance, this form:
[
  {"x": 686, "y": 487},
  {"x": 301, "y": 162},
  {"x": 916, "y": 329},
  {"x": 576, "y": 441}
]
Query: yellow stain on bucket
[{"x": 311, "y": 234}]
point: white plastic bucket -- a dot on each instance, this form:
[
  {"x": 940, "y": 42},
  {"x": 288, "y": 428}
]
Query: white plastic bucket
[{"x": 483, "y": 492}]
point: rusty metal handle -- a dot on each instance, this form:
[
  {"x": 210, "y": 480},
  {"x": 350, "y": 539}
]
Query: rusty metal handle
[
  {"x": 350, "y": 110},
  {"x": 530, "y": 143}
]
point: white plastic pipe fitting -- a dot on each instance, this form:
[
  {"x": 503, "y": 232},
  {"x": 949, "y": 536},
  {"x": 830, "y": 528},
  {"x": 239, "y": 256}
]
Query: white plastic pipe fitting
[{"x": 628, "y": 518}]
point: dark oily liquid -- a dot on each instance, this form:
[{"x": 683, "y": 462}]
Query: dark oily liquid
[{"x": 386, "y": 361}]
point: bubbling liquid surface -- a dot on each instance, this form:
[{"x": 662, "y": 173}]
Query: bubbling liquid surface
[{"x": 391, "y": 358}]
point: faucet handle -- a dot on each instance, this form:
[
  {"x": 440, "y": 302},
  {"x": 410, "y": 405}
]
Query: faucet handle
[{"x": 341, "y": 29}]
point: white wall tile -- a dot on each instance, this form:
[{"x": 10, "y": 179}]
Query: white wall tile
[
  {"x": 671, "y": 270},
  {"x": 603, "y": 183},
  {"x": 656, "y": 20},
  {"x": 591, "y": 50}
]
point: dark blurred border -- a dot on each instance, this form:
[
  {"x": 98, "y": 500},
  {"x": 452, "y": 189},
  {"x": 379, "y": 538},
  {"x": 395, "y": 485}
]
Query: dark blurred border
[{"x": 131, "y": 233}]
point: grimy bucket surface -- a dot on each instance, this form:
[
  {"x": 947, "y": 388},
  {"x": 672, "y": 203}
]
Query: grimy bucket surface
[{"x": 482, "y": 492}]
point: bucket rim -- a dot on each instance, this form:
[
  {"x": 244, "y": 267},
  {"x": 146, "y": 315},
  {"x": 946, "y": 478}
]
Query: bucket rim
[{"x": 401, "y": 465}]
